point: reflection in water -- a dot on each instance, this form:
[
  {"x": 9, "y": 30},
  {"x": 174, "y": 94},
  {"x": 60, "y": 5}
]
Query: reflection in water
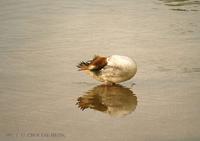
[
  {"x": 183, "y": 5},
  {"x": 116, "y": 100}
]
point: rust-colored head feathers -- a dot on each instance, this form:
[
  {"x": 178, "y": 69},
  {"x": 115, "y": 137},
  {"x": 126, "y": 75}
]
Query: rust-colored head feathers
[{"x": 97, "y": 63}]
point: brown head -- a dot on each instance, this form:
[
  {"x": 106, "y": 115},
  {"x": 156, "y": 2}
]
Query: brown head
[{"x": 97, "y": 63}]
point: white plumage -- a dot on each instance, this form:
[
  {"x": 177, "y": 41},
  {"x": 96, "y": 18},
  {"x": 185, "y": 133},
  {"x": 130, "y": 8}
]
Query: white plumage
[{"x": 110, "y": 70}]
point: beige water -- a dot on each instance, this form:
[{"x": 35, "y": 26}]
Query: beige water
[{"x": 44, "y": 97}]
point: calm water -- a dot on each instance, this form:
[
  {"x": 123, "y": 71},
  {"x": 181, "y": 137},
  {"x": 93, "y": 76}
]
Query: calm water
[{"x": 44, "y": 97}]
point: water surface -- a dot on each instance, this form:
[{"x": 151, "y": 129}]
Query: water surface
[{"x": 41, "y": 91}]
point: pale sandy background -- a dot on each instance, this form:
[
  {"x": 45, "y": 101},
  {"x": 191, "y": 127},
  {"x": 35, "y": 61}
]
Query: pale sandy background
[{"x": 41, "y": 43}]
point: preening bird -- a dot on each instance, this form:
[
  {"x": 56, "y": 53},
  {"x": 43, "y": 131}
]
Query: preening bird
[{"x": 109, "y": 70}]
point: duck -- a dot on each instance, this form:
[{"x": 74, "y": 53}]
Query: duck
[{"x": 109, "y": 69}]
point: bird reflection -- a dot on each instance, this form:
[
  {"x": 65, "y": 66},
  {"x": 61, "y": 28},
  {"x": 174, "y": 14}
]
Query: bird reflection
[{"x": 116, "y": 100}]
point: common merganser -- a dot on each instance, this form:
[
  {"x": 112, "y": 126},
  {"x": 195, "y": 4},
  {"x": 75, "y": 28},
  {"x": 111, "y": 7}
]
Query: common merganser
[{"x": 110, "y": 70}]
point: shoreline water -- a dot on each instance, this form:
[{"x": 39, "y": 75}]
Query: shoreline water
[{"x": 42, "y": 42}]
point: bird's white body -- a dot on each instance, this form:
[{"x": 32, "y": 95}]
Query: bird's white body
[
  {"x": 110, "y": 70},
  {"x": 118, "y": 69}
]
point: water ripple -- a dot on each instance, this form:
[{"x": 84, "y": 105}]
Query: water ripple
[{"x": 182, "y": 5}]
